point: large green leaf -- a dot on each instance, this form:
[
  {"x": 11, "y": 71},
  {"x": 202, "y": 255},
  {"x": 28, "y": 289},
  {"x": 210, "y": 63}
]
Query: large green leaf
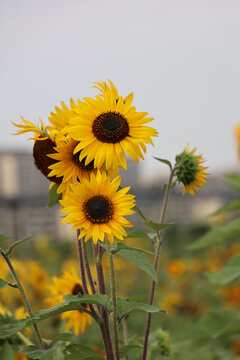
[
  {"x": 138, "y": 235},
  {"x": 125, "y": 349},
  {"x": 6, "y": 352},
  {"x": 77, "y": 352},
  {"x": 67, "y": 336},
  {"x": 54, "y": 197},
  {"x": 157, "y": 226},
  {"x": 233, "y": 206},
  {"x": 230, "y": 273},
  {"x": 33, "y": 352},
  {"x": 139, "y": 212},
  {"x": 217, "y": 235},
  {"x": 233, "y": 180},
  {"x": 125, "y": 306},
  {"x": 74, "y": 303},
  {"x": 138, "y": 259}
]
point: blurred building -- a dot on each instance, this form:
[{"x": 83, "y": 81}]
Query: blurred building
[{"x": 24, "y": 198}]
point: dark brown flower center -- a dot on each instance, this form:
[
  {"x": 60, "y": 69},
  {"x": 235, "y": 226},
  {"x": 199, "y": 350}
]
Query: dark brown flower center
[
  {"x": 110, "y": 127},
  {"x": 77, "y": 290},
  {"x": 81, "y": 163},
  {"x": 41, "y": 149},
  {"x": 98, "y": 209}
]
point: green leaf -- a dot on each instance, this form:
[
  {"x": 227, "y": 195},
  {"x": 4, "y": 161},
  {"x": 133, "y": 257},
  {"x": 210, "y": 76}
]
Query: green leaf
[
  {"x": 157, "y": 226},
  {"x": 171, "y": 187},
  {"x": 124, "y": 350},
  {"x": 217, "y": 235},
  {"x": 16, "y": 243},
  {"x": 233, "y": 206},
  {"x": 7, "y": 352},
  {"x": 233, "y": 180},
  {"x": 87, "y": 299},
  {"x": 67, "y": 336},
  {"x": 229, "y": 274},
  {"x": 3, "y": 284},
  {"x": 139, "y": 212},
  {"x": 125, "y": 306},
  {"x": 76, "y": 352},
  {"x": 34, "y": 352},
  {"x": 122, "y": 246},
  {"x": 54, "y": 197},
  {"x": 138, "y": 259},
  {"x": 138, "y": 235},
  {"x": 167, "y": 162},
  {"x": 3, "y": 238},
  {"x": 74, "y": 304}
]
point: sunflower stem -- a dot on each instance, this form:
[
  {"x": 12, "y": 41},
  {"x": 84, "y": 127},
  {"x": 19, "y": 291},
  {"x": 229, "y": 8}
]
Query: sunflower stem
[
  {"x": 24, "y": 297},
  {"x": 156, "y": 261},
  {"x": 88, "y": 270},
  {"x": 114, "y": 300},
  {"x": 82, "y": 262},
  {"x": 98, "y": 254},
  {"x": 125, "y": 333}
]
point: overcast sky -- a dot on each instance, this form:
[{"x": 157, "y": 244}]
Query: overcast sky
[{"x": 180, "y": 58}]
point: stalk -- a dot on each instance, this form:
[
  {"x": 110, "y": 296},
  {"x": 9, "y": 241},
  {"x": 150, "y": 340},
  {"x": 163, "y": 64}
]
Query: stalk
[
  {"x": 101, "y": 286},
  {"x": 114, "y": 301},
  {"x": 156, "y": 261},
  {"x": 24, "y": 297},
  {"x": 125, "y": 333}
]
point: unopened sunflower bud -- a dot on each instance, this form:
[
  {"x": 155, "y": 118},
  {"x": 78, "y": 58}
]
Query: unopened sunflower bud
[
  {"x": 189, "y": 170},
  {"x": 163, "y": 341}
]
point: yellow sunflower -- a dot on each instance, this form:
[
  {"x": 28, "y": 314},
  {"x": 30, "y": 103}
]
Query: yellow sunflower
[
  {"x": 97, "y": 208},
  {"x": 190, "y": 171},
  {"x": 61, "y": 117},
  {"x": 40, "y": 132},
  {"x": 69, "y": 283},
  {"x": 68, "y": 166},
  {"x": 107, "y": 127}
]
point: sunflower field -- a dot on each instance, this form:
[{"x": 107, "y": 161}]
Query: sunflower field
[{"x": 116, "y": 292}]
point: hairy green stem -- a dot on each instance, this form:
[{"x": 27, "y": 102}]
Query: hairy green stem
[
  {"x": 125, "y": 333},
  {"x": 98, "y": 253},
  {"x": 114, "y": 301},
  {"x": 156, "y": 261},
  {"x": 24, "y": 297}
]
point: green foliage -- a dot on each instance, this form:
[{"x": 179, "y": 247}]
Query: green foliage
[
  {"x": 116, "y": 247},
  {"x": 34, "y": 352},
  {"x": 233, "y": 181},
  {"x": 3, "y": 238},
  {"x": 54, "y": 197},
  {"x": 164, "y": 161},
  {"x": 16, "y": 243},
  {"x": 7, "y": 352},
  {"x": 3, "y": 284},
  {"x": 217, "y": 235},
  {"x": 76, "y": 352},
  {"x": 153, "y": 225},
  {"x": 229, "y": 274},
  {"x": 67, "y": 336},
  {"x": 137, "y": 258},
  {"x": 125, "y": 349},
  {"x": 126, "y": 306},
  {"x": 233, "y": 206}
]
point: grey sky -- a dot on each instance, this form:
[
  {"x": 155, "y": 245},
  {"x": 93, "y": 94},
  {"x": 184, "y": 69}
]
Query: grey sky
[{"x": 181, "y": 58}]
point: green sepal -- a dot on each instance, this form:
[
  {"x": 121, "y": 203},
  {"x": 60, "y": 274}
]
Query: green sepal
[
  {"x": 217, "y": 235},
  {"x": 54, "y": 197},
  {"x": 229, "y": 274},
  {"x": 164, "y": 161}
]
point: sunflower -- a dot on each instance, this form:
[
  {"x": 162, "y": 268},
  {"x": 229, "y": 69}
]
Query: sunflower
[
  {"x": 107, "y": 127},
  {"x": 69, "y": 283},
  {"x": 97, "y": 207},
  {"x": 61, "y": 117},
  {"x": 40, "y": 132},
  {"x": 68, "y": 166},
  {"x": 190, "y": 171}
]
